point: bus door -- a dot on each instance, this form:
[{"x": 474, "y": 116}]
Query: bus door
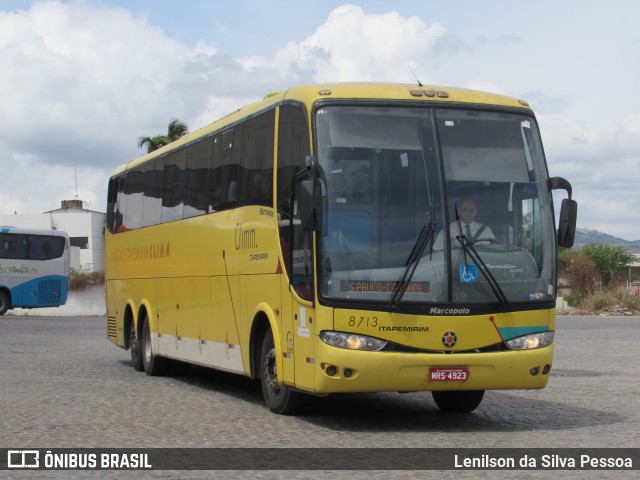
[{"x": 298, "y": 313}]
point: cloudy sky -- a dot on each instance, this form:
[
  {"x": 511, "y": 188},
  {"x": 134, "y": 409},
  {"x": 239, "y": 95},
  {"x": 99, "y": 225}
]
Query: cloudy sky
[{"x": 80, "y": 81}]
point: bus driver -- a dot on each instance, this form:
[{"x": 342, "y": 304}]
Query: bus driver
[{"x": 472, "y": 230}]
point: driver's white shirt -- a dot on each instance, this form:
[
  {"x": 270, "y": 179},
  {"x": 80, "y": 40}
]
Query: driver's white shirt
[{"x": 454, "y": 231}]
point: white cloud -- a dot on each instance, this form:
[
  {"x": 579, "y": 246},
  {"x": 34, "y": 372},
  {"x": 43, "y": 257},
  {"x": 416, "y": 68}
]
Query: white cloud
[
  {"x": 36, "y": 187},
  {"x": 602, "y": 160},
  {"x": 80, "y": 84},
  {"x": 75, "y": 75},
  {"x": 486, "y": 86},
  {"x": 354, "y": 46}
]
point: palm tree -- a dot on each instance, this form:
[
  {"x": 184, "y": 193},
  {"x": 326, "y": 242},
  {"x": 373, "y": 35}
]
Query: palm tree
[
  {"x": 175, "y": 130},
  {"x": 152, "y": 143}
]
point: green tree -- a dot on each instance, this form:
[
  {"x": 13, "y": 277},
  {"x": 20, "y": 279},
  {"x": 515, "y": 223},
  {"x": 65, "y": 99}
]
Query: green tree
[
  {"x": 175, "y": 130},
  {"x": 607, "y": 260}
]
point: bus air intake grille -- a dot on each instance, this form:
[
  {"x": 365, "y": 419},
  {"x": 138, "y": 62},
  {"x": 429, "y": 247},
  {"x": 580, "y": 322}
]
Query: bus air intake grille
[
  {"x": 112, "y": 331},
  {"x": 394, "y": 347},
  {"x": 49, "y": 292}
]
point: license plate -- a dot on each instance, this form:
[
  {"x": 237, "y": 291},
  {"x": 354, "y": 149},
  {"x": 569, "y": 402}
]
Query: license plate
[{"x": 448, "y": 374}]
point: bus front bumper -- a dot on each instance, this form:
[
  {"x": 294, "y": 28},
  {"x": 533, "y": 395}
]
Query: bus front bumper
[{"x": 341, "y": 370}]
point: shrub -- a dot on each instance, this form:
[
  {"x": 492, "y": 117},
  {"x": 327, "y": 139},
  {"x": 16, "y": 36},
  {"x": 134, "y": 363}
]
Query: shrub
[
  {"x": 80, "y": 279},
  {"x": 614, "y": 300},
  {"x": 581, "y": 274},
  {"x": 572, "y": 299},
  {"x": 598, "y": 301}
]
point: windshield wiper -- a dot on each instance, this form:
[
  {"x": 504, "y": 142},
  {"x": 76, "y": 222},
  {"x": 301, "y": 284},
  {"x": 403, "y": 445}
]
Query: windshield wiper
[
  {"x": 425, "y": 238},
  {"x": 468, "y": 248}
]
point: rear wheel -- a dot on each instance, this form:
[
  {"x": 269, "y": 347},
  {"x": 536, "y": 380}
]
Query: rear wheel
[
  {"x": 135, "y": 348},
  {"x": 458, "y": 401},
  {"x": 5, "y": 304},
  {"x": 279, "y": 398},
  {"x": 152, "y": 364}
]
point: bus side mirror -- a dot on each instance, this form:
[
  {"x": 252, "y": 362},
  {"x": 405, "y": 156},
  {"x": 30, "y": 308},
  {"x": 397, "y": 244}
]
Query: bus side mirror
[
  {"x": 568, "y": 213},
  {"x": 559, "y": 183},
  {"x": 567, "y": 224},
  {"x": 310, "y": 206}
]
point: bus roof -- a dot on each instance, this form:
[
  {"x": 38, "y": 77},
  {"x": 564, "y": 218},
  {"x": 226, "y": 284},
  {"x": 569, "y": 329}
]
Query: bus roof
[
  {"x": 308, "y": 94},
  {"x": 32, "y": 231}
]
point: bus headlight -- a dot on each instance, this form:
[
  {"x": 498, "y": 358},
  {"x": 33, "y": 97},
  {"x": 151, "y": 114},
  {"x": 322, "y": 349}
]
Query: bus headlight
[
  {"x": 529, "y": 342},
  {"x": 351, "y": 341}
]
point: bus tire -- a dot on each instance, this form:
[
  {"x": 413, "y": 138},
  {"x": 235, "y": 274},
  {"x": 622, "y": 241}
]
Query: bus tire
[
  {"x": 464, "y": 401},
  {"x": 152, "y": 364},
  {"x": 5, "y": 303},
  {"x": 279, "y": 398},
  {"x": 135, "y": 348}
]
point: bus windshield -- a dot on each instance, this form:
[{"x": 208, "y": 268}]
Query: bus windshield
[{"x": 440, "y": 205}]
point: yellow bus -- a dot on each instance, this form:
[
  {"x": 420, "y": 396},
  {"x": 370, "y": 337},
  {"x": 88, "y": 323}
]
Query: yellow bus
[{"x": 319, "y": 240}]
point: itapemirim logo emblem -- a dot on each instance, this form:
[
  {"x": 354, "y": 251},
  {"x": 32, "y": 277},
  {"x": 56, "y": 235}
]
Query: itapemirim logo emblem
[{"x": 449, "y": 339}]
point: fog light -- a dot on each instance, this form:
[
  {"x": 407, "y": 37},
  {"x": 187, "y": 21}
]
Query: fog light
[
  {"x": 546, "y": 369},
  {"x": 331, "y": 370},
  {"x": 348, "y": 372},
  {"x": 534, "y": 371}
]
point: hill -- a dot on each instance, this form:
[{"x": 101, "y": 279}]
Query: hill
[{"x": 584, "y": 236}]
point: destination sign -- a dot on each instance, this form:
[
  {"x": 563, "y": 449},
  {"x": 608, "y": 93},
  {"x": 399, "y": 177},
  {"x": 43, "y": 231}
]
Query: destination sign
[{"x": 381, "y": 286}]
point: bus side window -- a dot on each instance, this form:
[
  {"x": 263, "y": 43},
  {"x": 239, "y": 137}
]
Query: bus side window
[
  {"x": 301, "y": 257},
  {"x": 15, "y": 246},
  {"x": 293, "y": 148},
  {"x": 135, "y": 197},
  {"x": 152, "y": 202},
  {"x": 116, "y": 203},
  {"x": 3, "y": 246},
  {"x": 223, "y": 176},
  {"x": 256, "y": 160},
  {"x": 37, "y": 247},
  {"x": 173, "y": 186},
  {"x": 196, "y": 198}
]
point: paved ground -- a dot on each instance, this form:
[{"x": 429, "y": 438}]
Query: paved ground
[{"x": 63, "y": 384}]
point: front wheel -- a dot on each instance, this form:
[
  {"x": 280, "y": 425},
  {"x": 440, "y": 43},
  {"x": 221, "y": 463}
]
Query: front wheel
[
  {"x": 464, "y": 401},
  {"x": 279, "y": 398},
  {"x": 5, "y": 304}
]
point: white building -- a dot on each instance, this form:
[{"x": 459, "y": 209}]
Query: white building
[{"x": 84, "y": 227}]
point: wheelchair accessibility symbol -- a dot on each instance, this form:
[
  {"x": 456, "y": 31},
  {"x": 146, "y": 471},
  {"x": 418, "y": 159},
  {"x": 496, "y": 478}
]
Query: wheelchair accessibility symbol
[{"x": 468, "y": 273}]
